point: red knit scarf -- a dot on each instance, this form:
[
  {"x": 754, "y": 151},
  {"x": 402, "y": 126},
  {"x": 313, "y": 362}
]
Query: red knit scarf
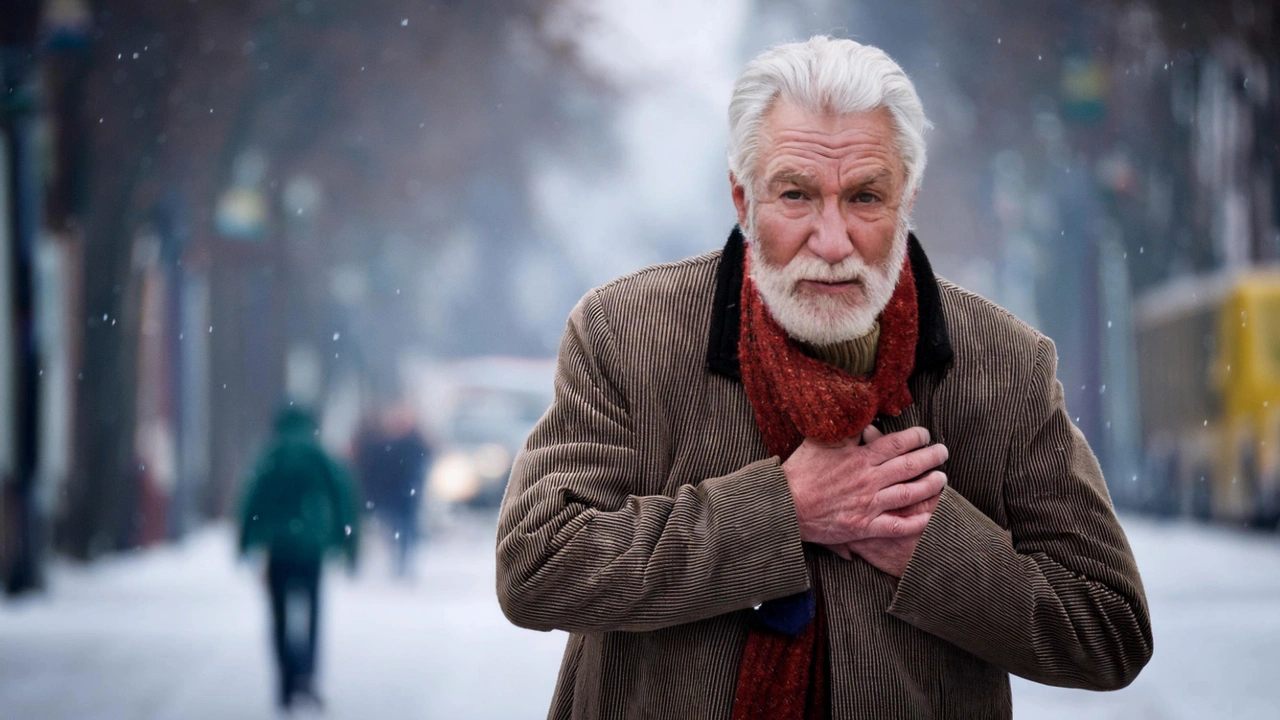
[{"x": 794, "y": 397}]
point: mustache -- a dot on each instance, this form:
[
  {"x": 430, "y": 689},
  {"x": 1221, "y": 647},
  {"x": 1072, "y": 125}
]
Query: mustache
[{"x": 813, "y": 269}]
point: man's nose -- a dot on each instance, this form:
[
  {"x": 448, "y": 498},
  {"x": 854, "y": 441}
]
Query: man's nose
[{"x": 830, "y": 238}]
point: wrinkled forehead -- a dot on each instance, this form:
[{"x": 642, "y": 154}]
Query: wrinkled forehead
[{"x": 798, "y": 141}]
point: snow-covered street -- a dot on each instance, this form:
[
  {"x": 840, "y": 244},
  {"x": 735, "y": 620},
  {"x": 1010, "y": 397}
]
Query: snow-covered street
[
  {"x": 1215, "y": 615},
  {"x": 181, "y": 633}
]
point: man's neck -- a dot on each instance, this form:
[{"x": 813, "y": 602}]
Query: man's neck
[{"x": 856, "y": 357}]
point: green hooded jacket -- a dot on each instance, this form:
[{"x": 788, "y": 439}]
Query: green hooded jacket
[{"x": 299, "y": 502}]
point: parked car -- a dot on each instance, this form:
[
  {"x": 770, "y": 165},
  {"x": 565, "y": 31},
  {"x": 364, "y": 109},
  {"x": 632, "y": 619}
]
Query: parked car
[{"x": 480, "y": 410}]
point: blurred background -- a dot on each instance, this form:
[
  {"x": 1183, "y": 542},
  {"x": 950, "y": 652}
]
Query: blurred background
[{"x": 384, "y": 211}]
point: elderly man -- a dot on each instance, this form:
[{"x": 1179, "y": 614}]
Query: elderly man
[{"x": 803, "y": 477}]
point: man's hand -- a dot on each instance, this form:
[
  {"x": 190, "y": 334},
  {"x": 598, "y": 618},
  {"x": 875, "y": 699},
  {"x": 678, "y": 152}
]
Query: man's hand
[
  {"x": 883, "y": 490},
  {"x": 890, "y": 555}
]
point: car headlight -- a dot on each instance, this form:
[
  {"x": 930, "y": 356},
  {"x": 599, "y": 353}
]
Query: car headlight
[
  {"x": 454, "y": 477},
  {"x": 491, "y": 462}
]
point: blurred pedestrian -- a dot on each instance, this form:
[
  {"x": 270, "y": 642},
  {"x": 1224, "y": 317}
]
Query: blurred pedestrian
[
  {"x": 391, "y": 458},
  {"x": 298, "y": 505}
]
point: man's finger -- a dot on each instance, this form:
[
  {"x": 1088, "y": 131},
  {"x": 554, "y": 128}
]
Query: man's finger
[
  {"x": 871, "y": 434},
  {"x": 890, "y": 446},
  {"x": 841, "y": 550},
  {"x": 924, "y": 506},
  {"x": 906, "y": 494},
  {"x": 912, "y": 465},
  {"x": 894, "y": 526}
]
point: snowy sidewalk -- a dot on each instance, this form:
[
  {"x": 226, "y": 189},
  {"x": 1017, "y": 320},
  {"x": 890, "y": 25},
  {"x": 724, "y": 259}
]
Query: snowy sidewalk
[
  {"x": 180, "y": 633},
  {"x": 1215, "y": 613}
]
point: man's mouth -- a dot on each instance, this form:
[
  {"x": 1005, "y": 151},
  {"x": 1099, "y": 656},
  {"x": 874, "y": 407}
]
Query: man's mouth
[{"x": 830, "y": 287}]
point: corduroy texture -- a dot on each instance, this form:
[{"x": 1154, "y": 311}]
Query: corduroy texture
[
  {"x": 646, "y": 518},
  {"x": 795, "y": 396}
]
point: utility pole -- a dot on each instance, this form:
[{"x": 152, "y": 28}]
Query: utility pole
[{"x": 23, "y": 200}]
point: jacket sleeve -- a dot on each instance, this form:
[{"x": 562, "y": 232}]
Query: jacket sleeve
[
  {"x": 1056, "y": 598},
  {"x": 579, "y": 549},
  {"x": 346, "y": 502}
]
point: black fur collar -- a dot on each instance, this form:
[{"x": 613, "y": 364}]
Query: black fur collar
[{"x": 933, "y": 348}]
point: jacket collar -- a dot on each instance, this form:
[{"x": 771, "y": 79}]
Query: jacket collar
[{"x": 933, "y": 348}]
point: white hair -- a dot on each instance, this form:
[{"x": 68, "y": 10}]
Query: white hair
[{"x": 825, "y": 75}]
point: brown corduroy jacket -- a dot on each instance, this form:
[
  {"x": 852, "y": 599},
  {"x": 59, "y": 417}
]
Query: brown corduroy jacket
[{"x": 645, "y": 517}]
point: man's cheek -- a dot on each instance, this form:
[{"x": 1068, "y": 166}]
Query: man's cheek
[{"x": 779, "y": 243}]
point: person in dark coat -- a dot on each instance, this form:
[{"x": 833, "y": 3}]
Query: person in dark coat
[
  {"x": 391, "y": 458},
  {"x": 803, "y": 477},
  {"x": 298, "y": 506}
]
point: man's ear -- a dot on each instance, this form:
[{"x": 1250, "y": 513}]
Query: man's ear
[{"x": 739, "y": 200}]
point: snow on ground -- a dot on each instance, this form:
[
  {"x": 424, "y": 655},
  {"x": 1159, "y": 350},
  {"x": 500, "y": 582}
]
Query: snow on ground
[
  {"x": 181, "y": 633},
  {"x": 1215, "y": 615}
]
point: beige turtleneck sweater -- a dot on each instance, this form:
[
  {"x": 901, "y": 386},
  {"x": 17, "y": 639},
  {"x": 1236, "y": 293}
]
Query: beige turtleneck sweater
[{"x": 856, "y": 357}]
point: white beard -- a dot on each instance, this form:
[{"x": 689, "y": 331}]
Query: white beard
[{"x": 820, "y": 319}]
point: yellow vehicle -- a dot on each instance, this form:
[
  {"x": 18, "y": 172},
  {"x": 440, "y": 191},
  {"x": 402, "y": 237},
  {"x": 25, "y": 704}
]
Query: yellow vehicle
[{"x": 1208, "y": 354}]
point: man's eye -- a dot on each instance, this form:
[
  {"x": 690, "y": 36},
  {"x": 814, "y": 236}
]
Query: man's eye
[
  {"x": 793, "y": 195},
  {"x": 865, "y": 197}
]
